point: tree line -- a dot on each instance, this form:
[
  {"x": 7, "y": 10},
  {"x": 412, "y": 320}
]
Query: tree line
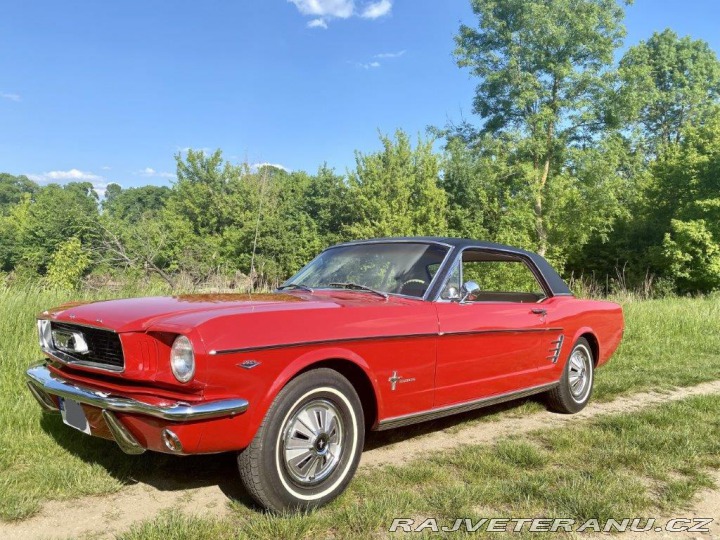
[{"x": 611, "y": 169}]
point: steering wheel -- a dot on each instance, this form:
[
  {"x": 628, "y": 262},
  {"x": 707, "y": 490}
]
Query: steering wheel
[{"x": 411, "y": 282}]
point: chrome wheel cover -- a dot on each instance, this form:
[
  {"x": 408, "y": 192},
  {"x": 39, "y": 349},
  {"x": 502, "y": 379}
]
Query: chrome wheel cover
[
  {"x": 580, "y": 373},
  {"x": 312, "y": 442}
]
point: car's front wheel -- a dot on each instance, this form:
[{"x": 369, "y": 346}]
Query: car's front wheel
[
  {"x": 575, "y": 386},
  {"x": 308, "y": 446}
]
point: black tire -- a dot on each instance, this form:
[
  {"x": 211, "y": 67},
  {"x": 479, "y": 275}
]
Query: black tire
[
  {"x": 565, "y": 398},
  {"x": 266, "y": 473}
]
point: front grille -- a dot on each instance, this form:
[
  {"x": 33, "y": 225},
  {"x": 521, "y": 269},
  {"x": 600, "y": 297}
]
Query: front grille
[{"x": 104, "y": 346}]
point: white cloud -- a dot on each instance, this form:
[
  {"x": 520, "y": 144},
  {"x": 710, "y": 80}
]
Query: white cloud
[
  {"x": 105, "y": 168},
  {"x": 376, "y": 10},
  {"x": 73, "y": 175},
  {"x": 317, "y": 23},
  {"x": 149, "y": 172},
  {"x": 390, "y": 54},
  {"x": 11, "y": 97},
  {"x": 374, "y": 64},
  {"x": 340, "y": 9},
  {"x": 366, "y": 65},
  {"x": 101, "y": 187},
  {"x": 257, "y": 166},
  {"x": 324, "y": 11}
]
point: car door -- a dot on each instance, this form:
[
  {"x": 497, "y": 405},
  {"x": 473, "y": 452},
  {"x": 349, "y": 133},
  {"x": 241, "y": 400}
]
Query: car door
[{"x": 491, "y": 343}]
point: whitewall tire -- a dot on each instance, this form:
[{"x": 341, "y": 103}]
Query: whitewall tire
[
  {"x": 308, "y": 446},
  {"x": 576, "y": 383}
]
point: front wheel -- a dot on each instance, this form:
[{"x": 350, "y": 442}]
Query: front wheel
[
  {"x": 309, "y": 444},
  {"x": 575, "y": 387}
]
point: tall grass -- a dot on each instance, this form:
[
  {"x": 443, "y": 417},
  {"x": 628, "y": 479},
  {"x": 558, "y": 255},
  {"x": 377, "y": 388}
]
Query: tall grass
[
  {"x": 39, "y": 458},
  {"x": 668, "y": 342}
]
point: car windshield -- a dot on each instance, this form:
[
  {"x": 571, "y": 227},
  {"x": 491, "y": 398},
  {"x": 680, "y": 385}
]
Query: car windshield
[{"x": 391, "y": 268}]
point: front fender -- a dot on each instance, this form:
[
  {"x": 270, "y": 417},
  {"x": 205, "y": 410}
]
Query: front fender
[{"x": 256, "y": 414}]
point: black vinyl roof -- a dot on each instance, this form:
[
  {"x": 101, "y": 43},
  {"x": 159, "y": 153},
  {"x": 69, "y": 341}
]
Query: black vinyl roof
[{"x": 555, "y": 283}]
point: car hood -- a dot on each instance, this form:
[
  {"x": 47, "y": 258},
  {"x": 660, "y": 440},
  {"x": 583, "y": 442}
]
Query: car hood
[{"x": 141, "y": 314}]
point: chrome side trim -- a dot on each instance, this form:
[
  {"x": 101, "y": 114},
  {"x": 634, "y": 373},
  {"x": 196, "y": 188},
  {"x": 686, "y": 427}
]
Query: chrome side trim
[
  {"x": 42, "y": 378},
  {"x": 440, "y": 412},
  {"x": 373, "y": 338},
  {"x": 124, "y": 439}
]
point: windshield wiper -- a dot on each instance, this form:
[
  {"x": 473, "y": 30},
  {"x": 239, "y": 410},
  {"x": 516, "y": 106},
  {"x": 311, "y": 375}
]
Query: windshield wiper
[
  {"x": 299, "y": 286},
  {"x": 357, "y": 287}
]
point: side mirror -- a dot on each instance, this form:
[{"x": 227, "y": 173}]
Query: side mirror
[{"x": 469, "y": 288}]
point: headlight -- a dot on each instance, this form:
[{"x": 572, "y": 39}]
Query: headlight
[
  {"x": 45, "y": 334},
  {"x": 182, "y": 359}
]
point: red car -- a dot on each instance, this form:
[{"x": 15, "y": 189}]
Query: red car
[{"x": 374, "y": 334}]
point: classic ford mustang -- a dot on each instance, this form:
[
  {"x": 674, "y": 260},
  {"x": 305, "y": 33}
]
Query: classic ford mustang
[{"x": 374, "y": 334}]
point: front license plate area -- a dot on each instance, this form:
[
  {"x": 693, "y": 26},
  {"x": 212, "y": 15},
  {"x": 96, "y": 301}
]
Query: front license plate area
[{"x": 74, "y": 415}]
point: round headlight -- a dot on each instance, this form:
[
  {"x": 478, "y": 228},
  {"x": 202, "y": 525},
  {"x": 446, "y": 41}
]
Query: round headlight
[{"x": 182, "y": 359}]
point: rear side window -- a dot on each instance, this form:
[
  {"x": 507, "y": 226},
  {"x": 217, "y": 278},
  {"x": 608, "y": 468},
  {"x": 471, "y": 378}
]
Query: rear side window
[{"x": 501, "y": 278}]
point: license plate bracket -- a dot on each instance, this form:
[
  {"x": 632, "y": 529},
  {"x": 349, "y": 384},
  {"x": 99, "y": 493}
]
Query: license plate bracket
[{"x": 73, "y": 415}]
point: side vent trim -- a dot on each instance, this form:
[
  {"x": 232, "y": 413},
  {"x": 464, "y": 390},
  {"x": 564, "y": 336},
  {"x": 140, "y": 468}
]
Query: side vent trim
[{"x": 555, "y": 349}]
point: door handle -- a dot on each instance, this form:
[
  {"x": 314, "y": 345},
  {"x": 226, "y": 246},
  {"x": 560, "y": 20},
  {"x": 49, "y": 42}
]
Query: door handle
[{"x": 539, "y": 311}]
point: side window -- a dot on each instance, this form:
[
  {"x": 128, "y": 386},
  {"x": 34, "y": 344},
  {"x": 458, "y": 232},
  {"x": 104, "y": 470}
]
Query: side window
[
  {"x": 501, "y": 278},
  {"x": 452, "y": 289}
]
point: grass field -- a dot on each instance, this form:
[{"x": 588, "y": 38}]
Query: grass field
[
  {"x": 620, "y": 465},
  {"x": 670, "y": 342}
]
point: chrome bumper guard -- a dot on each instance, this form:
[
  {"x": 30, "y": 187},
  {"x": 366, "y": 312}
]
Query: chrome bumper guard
[{"x": 43, "y": 383}]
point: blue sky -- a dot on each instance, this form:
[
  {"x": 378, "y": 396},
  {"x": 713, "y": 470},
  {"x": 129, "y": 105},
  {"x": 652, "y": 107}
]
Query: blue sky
[{"x": 110, "y": 91}]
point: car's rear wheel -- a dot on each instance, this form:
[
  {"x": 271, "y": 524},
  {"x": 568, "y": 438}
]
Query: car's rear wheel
[
  {"x": 308, "y": 446},
  {"x": 575, "y": 387}
]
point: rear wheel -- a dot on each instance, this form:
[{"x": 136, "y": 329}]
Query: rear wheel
[
  {"x": 308, "y": 446},
  {"x": 575, "y": 387}
]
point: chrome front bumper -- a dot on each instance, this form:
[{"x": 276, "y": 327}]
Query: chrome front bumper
[{"x": 43, "y": 384}]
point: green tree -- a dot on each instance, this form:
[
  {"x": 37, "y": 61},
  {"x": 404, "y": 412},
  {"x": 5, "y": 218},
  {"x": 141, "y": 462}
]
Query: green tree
[
  {"x": 131, "y": 204},
  {"x": 12, "y": 189},
  {"x": 684, "y": 206},
  {"x": 396, "y": 191},
  {"x": 41, "y": 224},
  {"x": 693, "y": 255},
  {"x": 487, "y": 194},
  {"x": 669, "y": 83},
  {"x": 545, "y": 71},
  {"x": 68, "y": 264},
  {"x": 325, "y": 202}
]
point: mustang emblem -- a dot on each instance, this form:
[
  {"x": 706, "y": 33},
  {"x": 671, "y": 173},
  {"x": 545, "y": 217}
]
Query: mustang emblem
[
  {"x": 70, "y": 341},
  {"x": 395, "y": 379}
]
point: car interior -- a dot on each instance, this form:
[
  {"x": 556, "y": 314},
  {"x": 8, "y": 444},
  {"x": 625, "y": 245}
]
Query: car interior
[{"x": 501, "y": 278}]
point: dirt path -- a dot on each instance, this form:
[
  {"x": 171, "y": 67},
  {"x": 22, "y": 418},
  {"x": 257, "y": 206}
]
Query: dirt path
[
  {"x": 104, "y": 516},
  {"x": 706, "y": 506}
]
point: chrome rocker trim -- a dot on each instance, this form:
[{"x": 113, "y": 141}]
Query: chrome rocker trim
[
  {"x": 456, "y": 408},
  {"x": 43, "y": 383}
]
